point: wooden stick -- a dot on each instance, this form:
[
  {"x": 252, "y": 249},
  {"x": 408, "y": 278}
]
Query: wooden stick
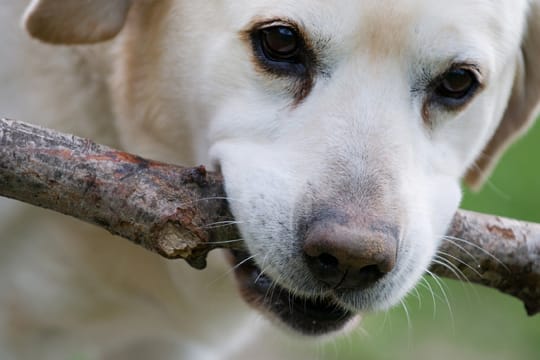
[
  {"x": 497, "y": 252},
  {"x": 165, "y": 208},
  {"x": 161, "y": 207}
]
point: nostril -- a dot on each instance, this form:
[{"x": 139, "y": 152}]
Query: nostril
[
  {"x": 348, "y": 257},
  {"x": 328, "y": 260},
  {"x": 361, "y": 278},
  {"x": 325, "y": 267},
  {"x": 370, "y": 273}
]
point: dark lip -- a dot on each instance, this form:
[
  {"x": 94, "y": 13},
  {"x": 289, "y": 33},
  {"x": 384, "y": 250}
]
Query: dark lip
[{"x": 305, "y": 315}]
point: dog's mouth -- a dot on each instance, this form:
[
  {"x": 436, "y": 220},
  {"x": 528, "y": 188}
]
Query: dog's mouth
[{"x": 305, "y": 315}]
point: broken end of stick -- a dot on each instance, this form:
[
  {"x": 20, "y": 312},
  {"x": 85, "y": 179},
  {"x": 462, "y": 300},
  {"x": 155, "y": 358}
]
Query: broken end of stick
[
  {"x": 532, "y": 309},
  {"x": 175, "y": 242}
]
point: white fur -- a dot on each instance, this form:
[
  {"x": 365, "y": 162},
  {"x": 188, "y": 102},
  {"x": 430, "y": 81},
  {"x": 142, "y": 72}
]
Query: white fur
[{"x": 186, "y": 91}]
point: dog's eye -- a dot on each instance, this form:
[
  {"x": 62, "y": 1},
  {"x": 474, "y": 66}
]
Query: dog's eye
[
  {"x": 281, "y": 50},
  {"x": 455, "y": 86},
  {"x": 280, "y": 43}
]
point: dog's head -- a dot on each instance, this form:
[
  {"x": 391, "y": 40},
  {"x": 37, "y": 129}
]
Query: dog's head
[{"x": 342, "y": 128}]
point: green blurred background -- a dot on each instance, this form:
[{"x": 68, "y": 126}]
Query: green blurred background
[{"x": 476, "y": 323}]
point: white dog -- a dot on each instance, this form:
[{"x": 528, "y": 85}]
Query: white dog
[{"x": 342, "y": 129}]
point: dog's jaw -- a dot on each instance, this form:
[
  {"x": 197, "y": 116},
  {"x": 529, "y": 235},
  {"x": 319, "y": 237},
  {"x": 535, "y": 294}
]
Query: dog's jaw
[{"x": 309, "y": 316}]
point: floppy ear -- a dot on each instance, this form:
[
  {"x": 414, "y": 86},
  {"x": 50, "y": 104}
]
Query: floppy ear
[
  {"x": 523, "y": 106},
  {"x": 75, "y": 21}
]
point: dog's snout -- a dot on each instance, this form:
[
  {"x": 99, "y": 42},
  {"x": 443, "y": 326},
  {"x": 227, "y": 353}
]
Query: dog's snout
[{"x": 344, "y": 256}]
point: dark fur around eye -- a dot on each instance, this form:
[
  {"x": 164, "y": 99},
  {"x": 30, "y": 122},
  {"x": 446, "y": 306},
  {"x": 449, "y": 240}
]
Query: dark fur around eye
[{"x": 281, "y": 49}]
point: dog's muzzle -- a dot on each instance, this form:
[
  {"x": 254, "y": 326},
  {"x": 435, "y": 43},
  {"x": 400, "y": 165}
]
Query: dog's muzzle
[
  {"x": 343, "y": 255},
  {"x": 308, "y": 316}
]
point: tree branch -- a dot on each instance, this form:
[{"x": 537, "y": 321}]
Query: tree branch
[{"x": 166, "y": 208}]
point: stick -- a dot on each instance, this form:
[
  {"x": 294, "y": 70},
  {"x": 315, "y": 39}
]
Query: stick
[
  {"x": 496, "y": 252},
  {"x": 165, "y": 208}
]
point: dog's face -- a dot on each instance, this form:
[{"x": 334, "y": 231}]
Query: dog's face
[{"x": 342, "y": 129}]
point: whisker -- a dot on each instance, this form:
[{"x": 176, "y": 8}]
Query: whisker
[
  {"x": 458, "y": 273},
  {"x": 242, "y": 262},
  {"x": 263, "y": 268},
  {"x": 290, "y": 299},
  {"x": 261, "y": 274},
  {"x": 221, "y": 224},
  {"x": 461, "y": 247},
  {"x": 229, "y": 271},
  {"x": 427, "y": 285},
  {"x": 407, "y": 315},
  {"x": 211, "y": 198},
  {"x": 221, "y": 198},
  {"x": 350, "y": 343},
  {"x": 409, "y": 324},
  {"x": 499, "y": 192},
  {"x": 386, "y": 320},
  {"x": 481, "y": 249},
  {"x": 461, "y": 262},
  {"x": 418, "y": 297},
  {"x": 445, "y": 296},
  {"x": 226, "y": 241},
  {"x": 466, "y": 280},
  {"x": 271, "y": 289}
]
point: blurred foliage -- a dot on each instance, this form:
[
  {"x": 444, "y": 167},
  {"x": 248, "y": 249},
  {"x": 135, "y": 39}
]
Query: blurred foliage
[{"x": 462, "y": 321}]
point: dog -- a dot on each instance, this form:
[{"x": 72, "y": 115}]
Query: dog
[{"x": 342, "y": 130}]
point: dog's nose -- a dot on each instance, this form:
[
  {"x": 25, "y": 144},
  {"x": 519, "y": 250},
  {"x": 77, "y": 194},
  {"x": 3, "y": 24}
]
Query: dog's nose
[{"x": 345, "y": 257}]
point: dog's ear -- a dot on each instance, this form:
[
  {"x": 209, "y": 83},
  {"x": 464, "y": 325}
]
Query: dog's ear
[
  {"x": 75, "y": 21},
  {"x": 523, "y": 106}
]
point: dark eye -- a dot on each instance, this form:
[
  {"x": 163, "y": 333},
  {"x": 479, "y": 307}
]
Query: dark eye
[
  {"x": 280, "y": 43},
  {"x": 457, "y": 84}
]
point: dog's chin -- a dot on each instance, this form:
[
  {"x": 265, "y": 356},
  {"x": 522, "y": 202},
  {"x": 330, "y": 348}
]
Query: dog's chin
[{"x": 307, "y": 316}]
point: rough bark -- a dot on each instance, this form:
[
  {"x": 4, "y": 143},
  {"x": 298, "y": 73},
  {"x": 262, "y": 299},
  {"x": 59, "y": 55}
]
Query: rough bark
[
  {"x": 493, "y": 251},
  {"x": 167, "y": 208},
  {"x": 161, "y": 207}
]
